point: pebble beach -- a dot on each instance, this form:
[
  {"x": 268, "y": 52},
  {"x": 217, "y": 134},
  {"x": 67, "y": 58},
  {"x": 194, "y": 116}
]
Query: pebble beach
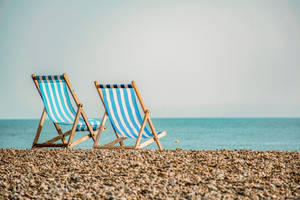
[{"x": 148, "y": 174}]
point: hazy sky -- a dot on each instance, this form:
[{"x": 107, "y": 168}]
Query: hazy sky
[{"x": 189, "y": 58}]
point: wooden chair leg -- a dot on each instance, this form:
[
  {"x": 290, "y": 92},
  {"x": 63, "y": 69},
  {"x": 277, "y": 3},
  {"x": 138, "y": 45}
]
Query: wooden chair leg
[
  {"x": 137, "y": 143},
  {"x": 86, "y": 121},
  {"x": 73, "y": 130},
  {"x": 118, "y": 136},
  {"x": 39, "y": 129},
  {"x": 154, "y": 134},
  {"x": 101, "y": 129},
  {"x": 63, "y": 139}
]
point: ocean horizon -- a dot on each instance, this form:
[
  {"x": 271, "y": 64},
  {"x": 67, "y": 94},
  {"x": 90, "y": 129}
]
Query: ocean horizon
[{"x": 281, "y": 134}]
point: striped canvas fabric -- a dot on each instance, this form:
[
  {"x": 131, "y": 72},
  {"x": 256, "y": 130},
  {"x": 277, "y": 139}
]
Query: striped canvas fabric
[
  {"x": 122, "y": 109},
  {"x": 56, "y": 99}
]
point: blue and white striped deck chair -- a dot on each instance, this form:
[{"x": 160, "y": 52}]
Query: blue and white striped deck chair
[
  {"x": 54, "y": 91},
  {"x": 122, "y": 110}
]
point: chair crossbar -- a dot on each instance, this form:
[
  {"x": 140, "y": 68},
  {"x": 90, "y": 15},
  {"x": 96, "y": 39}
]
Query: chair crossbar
[
  {"x": 147, "y": 142},
  {"x": 115, "y": 147},
  {"x": 115, "y": 141},
  {"x": 49, "y": 145},
  {"x": 60, "y": 137},
  {"x": 115, "y": 86}
]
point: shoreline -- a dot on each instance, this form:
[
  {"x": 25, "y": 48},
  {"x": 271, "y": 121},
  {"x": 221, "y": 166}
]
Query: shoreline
[{"x": 149, "y": 174}]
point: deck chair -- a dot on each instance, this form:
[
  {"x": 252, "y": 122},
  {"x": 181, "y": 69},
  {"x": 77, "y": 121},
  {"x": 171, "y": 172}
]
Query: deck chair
[
  {"x": 121, "y": 109},
  {"x": 58, "y": 107}
]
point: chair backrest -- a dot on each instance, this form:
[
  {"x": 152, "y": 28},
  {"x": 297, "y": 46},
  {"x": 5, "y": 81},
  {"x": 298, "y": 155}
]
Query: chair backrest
[
  {"x": 122, "y": 109},
  {"x": 54, "y": 92}
]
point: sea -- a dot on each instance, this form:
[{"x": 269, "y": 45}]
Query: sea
[{"x": 185, "y": 133}]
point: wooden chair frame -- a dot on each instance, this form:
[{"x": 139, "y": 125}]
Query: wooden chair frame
[
  {"x": 120, "y": 139},
  {"x": 62, "y": 136}
]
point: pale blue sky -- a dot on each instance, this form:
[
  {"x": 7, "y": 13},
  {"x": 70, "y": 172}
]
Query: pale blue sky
[{"x": 189, "y": 58}]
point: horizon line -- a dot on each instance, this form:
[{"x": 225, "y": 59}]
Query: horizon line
[{"x": 266, "y": 117}]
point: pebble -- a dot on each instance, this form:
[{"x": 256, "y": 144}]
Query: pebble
[{"x": 148, "y": 174}]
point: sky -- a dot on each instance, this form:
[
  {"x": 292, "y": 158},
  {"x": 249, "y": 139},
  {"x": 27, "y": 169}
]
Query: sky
[{"x": 202, "y": 58}]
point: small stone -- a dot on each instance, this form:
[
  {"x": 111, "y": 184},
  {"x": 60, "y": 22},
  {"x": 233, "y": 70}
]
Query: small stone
[{"x": 148, "y": 174}]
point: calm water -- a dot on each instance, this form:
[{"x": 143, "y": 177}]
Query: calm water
[{"x": 198, "y": 133}]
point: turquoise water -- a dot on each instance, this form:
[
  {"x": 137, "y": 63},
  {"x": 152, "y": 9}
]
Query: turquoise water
[{"x": 192, "y": 133}]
